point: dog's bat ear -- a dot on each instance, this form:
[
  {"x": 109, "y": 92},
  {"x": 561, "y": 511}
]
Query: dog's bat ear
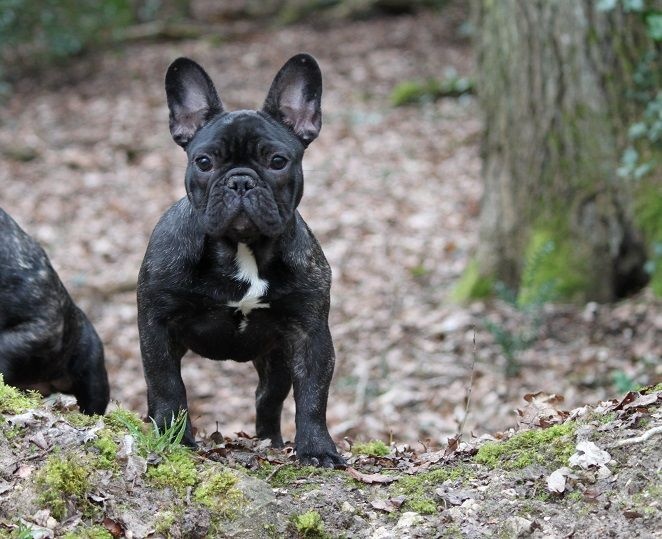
[
  {"x": 295, "y": 97},
  {"x": 192, "y": 99}
]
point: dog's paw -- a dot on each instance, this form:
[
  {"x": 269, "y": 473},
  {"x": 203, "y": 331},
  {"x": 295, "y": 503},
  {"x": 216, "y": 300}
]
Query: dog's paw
[{"x": 323, "y": 459}]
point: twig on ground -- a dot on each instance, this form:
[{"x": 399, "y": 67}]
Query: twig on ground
[
  {"x": 469, "y": 388},
  {"x": 638, "y": 439}
]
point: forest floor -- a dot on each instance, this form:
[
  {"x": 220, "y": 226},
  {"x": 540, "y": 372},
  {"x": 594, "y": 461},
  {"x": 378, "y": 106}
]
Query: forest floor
[{"x": 87, "y": 166}]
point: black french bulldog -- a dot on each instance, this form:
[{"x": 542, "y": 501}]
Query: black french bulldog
[
  {"x": 232, "y": 271},
  {"x": 46, "y": 341}
]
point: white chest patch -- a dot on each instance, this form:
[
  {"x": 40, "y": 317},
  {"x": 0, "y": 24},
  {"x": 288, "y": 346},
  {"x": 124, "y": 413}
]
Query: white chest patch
[{"x": 247, "y": 273}]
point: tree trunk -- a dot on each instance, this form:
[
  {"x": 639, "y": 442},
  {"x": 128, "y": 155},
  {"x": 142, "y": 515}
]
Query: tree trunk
[{"x": 558, "y": 85}]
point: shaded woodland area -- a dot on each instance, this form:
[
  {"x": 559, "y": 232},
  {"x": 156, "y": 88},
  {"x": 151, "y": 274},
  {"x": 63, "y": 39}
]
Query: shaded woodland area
[{"x": 486, "y": 186}]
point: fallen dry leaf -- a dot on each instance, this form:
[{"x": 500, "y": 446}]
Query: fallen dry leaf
[
  {"x": 588, "y": 454},
  {"x": 541, "y": 410},
  {"x": 370, "y": 478},
  {"x": 114, "y": 527},
  {"x": 389, "y": 505},
  {"x": 556, "y": 482}
]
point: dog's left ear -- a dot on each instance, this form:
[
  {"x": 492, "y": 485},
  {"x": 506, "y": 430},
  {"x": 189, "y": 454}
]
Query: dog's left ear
[{"x": 295, "y": 97}]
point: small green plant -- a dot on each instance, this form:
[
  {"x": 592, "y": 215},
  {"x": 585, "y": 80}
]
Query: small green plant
[
  {"x": 536, "y": 289},
  {"x": 157, "y": 440},
  {"x": 15, "y": 401},
  {"x": 624, "y": 383},
  {"x": 373, "y": 448},
  {"x": 22, "y": 531},
  {"x": 62, "y": 479},
  {"x": 309, "y": 524}
]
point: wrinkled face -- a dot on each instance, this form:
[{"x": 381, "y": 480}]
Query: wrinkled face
[
  {"x": 244, "y": 175},
  {"x": 244, "y": 168}
]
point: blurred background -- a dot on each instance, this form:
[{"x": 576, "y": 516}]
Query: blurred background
[{"x": 486, "y": 187}]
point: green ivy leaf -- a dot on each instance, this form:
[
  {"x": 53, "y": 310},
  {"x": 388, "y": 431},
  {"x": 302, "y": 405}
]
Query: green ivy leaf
[{"x": 654, "y": 23}]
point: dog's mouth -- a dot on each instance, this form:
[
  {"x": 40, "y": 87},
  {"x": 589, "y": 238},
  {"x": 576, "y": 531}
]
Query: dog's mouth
[{"x": 242, "y": 209}]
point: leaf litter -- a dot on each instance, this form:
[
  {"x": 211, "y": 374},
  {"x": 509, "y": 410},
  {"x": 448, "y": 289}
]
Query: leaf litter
[{"x": 393, "y": 196}]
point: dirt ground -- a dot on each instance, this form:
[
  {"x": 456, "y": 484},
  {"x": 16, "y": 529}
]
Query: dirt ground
[{"x": 87, "y": 166}]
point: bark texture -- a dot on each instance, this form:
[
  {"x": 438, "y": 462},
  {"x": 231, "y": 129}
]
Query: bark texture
[{"x": 556, "y": 80}]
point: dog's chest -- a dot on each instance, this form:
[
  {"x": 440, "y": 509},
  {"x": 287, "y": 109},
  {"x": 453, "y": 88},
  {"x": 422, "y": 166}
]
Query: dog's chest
[{"x": 246, "y": 271}]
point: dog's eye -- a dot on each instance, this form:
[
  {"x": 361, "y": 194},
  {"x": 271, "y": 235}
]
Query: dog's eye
[
  {"x": 203, "y": 163},
  {"x": 278, "y": 162}
]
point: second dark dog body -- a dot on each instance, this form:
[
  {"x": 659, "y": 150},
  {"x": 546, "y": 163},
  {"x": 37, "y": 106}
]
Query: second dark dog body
[
  {"x": 45, "y": 339},
  {"x": 232, "y": 270}
]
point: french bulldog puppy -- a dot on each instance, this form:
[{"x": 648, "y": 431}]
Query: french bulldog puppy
[
  {"x": 232, "y": 271},
  {"x": 46, "y": 341}
]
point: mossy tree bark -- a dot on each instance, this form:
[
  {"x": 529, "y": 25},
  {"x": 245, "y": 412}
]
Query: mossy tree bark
[{"x": 556, "y": 85}]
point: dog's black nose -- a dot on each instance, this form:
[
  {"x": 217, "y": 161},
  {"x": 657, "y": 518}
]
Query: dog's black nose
[{"x": 241, "y": 183}]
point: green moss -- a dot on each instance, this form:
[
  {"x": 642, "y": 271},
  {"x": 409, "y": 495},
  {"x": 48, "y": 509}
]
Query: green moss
[
  {"x": 15, "y": 401},
  {"x": 411, "y": 92},
  {"x": 286, "y": 476},
  {"x": 107, "y": 457},
  {"x": 575, "y": 496},
  {"x": 553, "y": 267},
  {"x": 309, "y": 524},
  {"x": 165, "y": 520},
  {"x": 78, "y": 420},
  {"x": 552, "y": 446},
  {"x": 373, "y": 448},
  {"x": 62, "y": 479},
  {"x": 419, "y": 488},
  {"x": 176, "y": 470},
  {"x": 648, "y": 217},
  {"x": 651, "y": 389},
  {"x": 14, "y": 432},
  {"x": 424, "y": 506},
  {"x": 90, "y": 532},
  {"x": 472, "y": 285},
  {"x": 218, "y": 491},
  {"x": 118, "y": 419}
]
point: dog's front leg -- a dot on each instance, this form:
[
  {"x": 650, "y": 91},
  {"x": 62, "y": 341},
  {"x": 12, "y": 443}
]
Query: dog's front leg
[
  {"x": 166, "y": 393},
  {"x": 311, "y": 366}
]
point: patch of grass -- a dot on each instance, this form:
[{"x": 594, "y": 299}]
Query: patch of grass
[
  {"x": 176, "y": 470},
  {"x": 62, "y": 479},
  {"x": 15, "y": 401},
  {"x": 218, "y": 491},
  {"x": 419, "y": 488},
  {"x": 551, "y": 446},
  {"x": 309, "y": 524},
  {"x": 373, "y": 448},
  {"x": 89, "y": 532},
  {"x": 159, "y": 441}
]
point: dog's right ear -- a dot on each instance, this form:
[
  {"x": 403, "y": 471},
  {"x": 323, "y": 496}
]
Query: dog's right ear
[{"x": 192, "y": 99}]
